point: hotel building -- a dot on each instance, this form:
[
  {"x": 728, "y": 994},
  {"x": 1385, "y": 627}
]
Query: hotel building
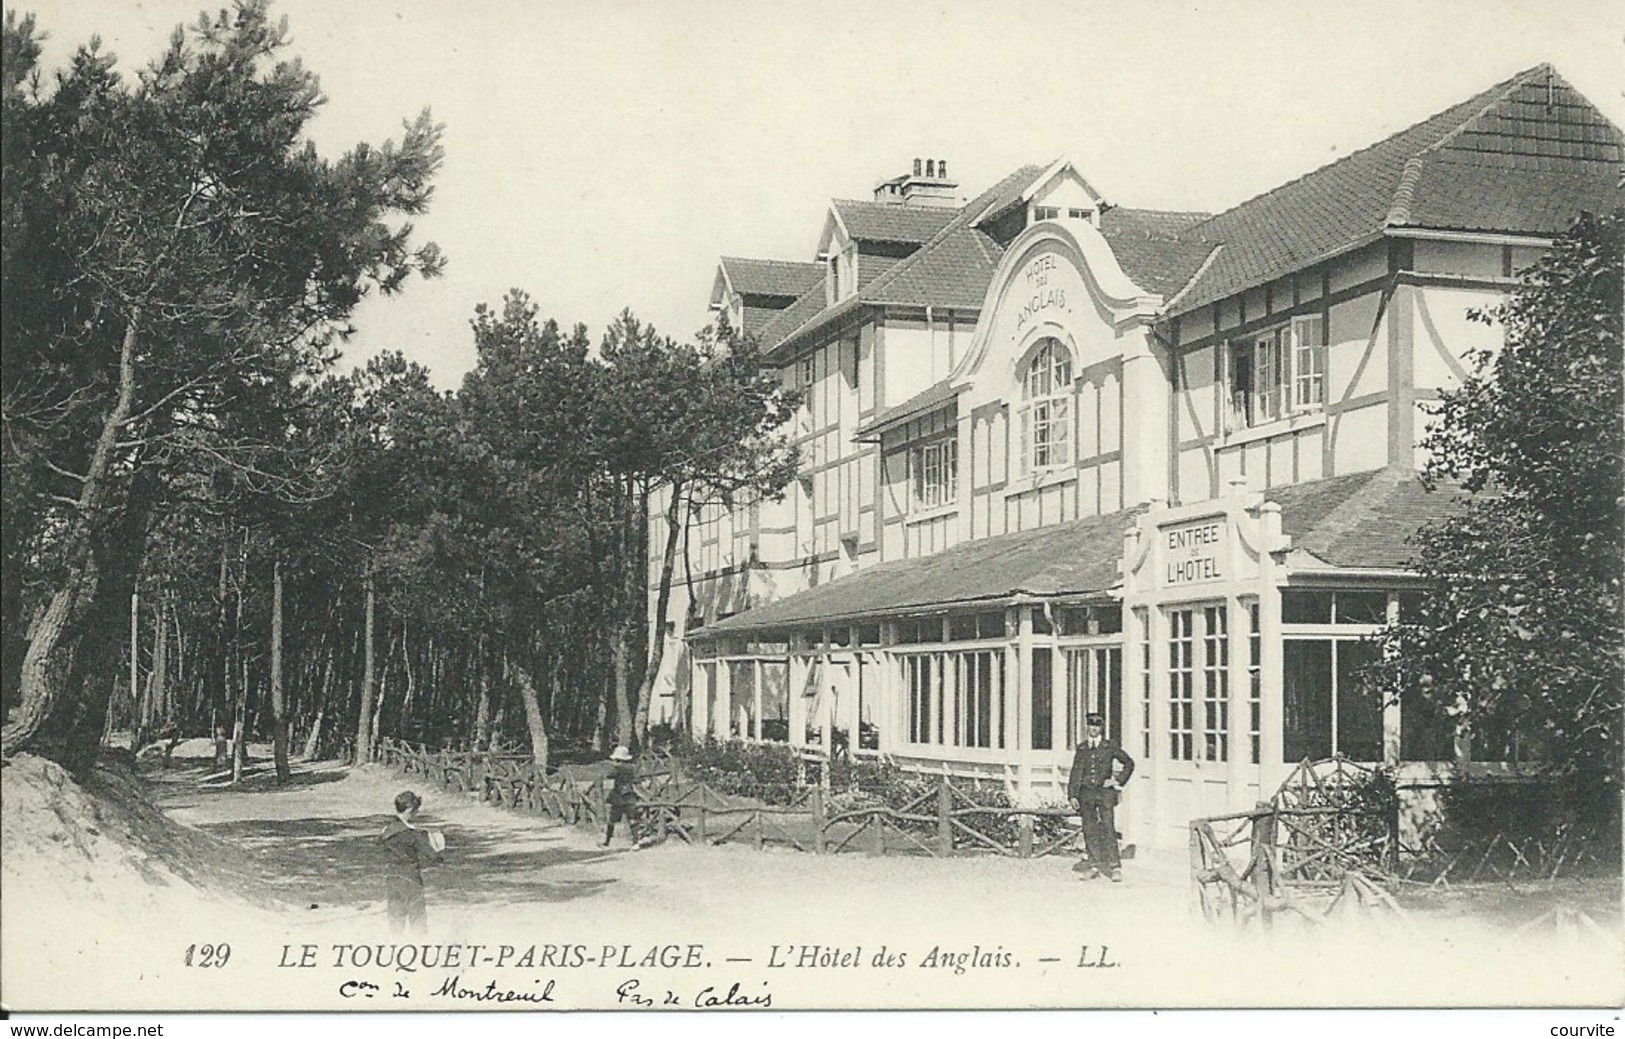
[{"x": 1062, "y": 455}]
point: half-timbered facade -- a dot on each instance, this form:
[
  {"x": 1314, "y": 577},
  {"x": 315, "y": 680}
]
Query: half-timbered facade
[{"x": 1060, "y": 455}]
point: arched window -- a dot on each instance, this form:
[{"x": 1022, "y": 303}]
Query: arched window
[{"x": 1046, "y": 395}]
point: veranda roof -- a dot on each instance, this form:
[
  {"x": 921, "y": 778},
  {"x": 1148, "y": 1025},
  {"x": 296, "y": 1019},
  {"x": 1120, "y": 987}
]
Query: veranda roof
[
  {"x": 1076, "y": 559},
  {"x": 1359, "y": 521}
]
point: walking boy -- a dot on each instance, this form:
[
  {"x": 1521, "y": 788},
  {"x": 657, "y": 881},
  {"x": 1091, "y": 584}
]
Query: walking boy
[
  {"x": 407, "y": 850},
  {"x": 623, "y": 799},
  {"x": 1093, "y": 788}
]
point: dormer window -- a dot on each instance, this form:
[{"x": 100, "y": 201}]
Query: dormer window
[
  {"x": 1046, "y": 213},
  {"x": 1086, "y": 215},
  {"x": 1046, "y": 391},
  {"x": 843, "y": 273}
]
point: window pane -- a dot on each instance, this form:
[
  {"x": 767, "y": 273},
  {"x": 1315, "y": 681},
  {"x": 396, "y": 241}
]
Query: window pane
[
  {"x": 1110, "y": 670},
  {"x": 741, "y": 698},
  {"x": 1359, "y": 704},
  {"x": 1043, "y": 702},
  {"x": 775, "y": 700},
  {"x": 1362, "y": 607},
  {"x": 1306, "y": 607},
  {"x": 1110, "y": 619},
  {"x": 990, "y": 625},
  {"x": 1041, "y": 622},
  {"x": 1306, "y": 689}
]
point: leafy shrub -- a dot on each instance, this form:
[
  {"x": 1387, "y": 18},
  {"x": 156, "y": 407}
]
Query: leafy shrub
[{"x": 770, "y": 773}]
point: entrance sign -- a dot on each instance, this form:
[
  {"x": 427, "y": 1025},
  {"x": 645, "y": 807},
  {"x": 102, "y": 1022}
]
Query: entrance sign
[{"x": 1194, "y": 553}]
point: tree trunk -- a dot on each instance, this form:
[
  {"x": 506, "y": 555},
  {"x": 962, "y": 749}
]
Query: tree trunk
[
  {"x": 657, "y": 626},
  {"x": 158, "y": 684},
  {"x": 313, "y": 739},
  {"x": 140, "y": 699},
  {"x": 620, "y": 655},
  {"x": 46, "y": 662},
  {"x": 482, "y": 712},
  {"x": 279, "y": 704},
  {"x": 534, "y": 719},
  {"x": 239, "y": 666},
  {"x": 363, "y": 731}
]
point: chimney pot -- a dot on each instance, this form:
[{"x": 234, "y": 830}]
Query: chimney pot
[
  {"x": 942, "y": 168},
  {"x": 917, "y": 163},
  {"x": 930, "y": 167}
]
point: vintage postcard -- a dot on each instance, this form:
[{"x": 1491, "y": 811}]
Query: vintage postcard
[{"x": 765, "y": 507}]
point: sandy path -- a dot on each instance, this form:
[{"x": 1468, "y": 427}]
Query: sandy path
[{"x": 848, "y": 930}]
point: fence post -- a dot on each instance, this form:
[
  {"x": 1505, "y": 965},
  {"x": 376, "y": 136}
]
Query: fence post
[
  {"x": 1262, "y": 865},
  {"x": 699, "y": 827},
  {"x": 945, "y": 821},
  {"x": 758, "y": 829},
  {"x": 877, "y": 819},
  {"x": 818, "y": 820},
  {"x": 1025, "y": 829},
  {"x": 600, "y": 800}
]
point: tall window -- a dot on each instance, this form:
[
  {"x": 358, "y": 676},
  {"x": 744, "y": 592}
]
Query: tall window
[
  {"x": 1329, "y": 706},
  {"x": 1181, "y": 684},
  {"x": 924, "y": 693},
  {"x": 1046, "y": 427},
  {"x": 1199, "y": 672},
  {"x": 936, "y": 473},
  {"x": 1094, "y": 683},
  {"x": 1276, "y": 373},
  {"x": 1215, "y": 685},
  {"x": 1255, "y": 684},
  {"x": 1142, "y": 628},
  {"x": 956, "y": 698}
]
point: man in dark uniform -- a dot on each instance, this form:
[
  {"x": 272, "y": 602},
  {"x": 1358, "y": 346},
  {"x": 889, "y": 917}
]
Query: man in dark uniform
[
  {"x": 407, "y": 850},
  {"x": 1093, "y": 787}
]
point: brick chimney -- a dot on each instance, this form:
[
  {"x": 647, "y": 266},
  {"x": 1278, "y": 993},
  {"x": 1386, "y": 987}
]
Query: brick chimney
[{"x": 927, "y": 185}]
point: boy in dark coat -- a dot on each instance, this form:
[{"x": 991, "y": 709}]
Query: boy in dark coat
[
  {"x": 1092, "y": 788},
  {"x": 407, "y": 850},
  {"x": 623, "y": 799}
]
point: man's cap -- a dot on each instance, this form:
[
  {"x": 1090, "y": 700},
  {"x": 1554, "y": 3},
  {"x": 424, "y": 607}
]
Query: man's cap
[
  {"x": 1094, "y": 719},
  {"x": 407, "y": 799},
  {"x": 620, "y": 754}
]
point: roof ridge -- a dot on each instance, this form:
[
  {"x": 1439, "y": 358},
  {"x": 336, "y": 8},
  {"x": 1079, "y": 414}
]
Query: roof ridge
[
  {"x": 1399, "y": 212},
  {"x": 1161, "y": 212},
  {"x": 1196, "y": 276},
  {"x": 765, "y": 259},
  {"x": 1497, "y": 90},
  {"x": 1512, "y": 84}
]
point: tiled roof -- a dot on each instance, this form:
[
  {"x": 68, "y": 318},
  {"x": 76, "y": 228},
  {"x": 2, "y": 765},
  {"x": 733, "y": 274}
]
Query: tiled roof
[
  {"x": 1147, "y": 245},
  {"x": 789, "y": 319},
  {"x": 756, "y": 318},
  {"x": 787, "y": 278},
  {"x": 891, "y": 221},
  {"x": 1362, "y": 520},
  {"x": 1504, "y": 160},
  {"x": 926, "y": 400},
  {"x": 1067, "y": 559},
  {"x": 954, "y": 268}
]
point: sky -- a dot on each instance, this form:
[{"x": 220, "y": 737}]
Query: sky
[{"x": 603, "y": 156}]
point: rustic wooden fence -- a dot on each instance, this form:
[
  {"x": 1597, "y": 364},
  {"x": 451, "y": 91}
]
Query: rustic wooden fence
[
  {"x": 944, "y": 820},
  {"x": 1316, "y": 846}
]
